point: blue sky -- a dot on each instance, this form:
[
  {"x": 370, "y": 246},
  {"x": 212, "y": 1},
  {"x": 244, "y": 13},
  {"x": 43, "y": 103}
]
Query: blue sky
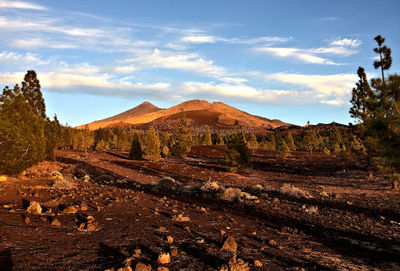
[{"x": 291, "y": 60}]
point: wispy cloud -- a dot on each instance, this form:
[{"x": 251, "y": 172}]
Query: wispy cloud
[
  {"x": 354, "y": 43},
  {"x": 20, "y": 5},
  {"x": 171, "y": 60},
  {"x": 327, "y": 89},
  {"x": 203, "y": 38},
  {"x": 338, "y": 47}
]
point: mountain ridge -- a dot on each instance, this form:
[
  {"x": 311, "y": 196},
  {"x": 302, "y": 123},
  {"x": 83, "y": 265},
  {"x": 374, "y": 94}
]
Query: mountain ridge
[{"x": 199, "y": 112}]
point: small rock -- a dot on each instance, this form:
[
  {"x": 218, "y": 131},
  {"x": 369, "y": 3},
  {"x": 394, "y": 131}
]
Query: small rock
[
  {"x": 86, "y": 178},
  {"x": 245, "y": 251},
  {"x": 187, "y": 229},
  {"x": 142, "y": 267},
  {"x": 230, "y": 244},
  {"x": 55, "y": 222},
  {"x": 126, "y": 268},
  {"x": 174, "y": 251},
  {"x": 34, "y": 208},
  {"x": 27, "y": 220},
  {"x": 324, "y": 194},
  {"x": 236, "y": 265},
  {"x": 84, "y": 206},
  {"x": 170, "y": 239},
  {"x": 71, "y": 210},
  {"x": 164, "y": 258},
  {"x": 3, "y": 178},
  {"x": 162, "y": 268},
  {"x": 257, "y": 263},
  {"x": 273, "y": 243},
  {"x": 137, "y": 253}
]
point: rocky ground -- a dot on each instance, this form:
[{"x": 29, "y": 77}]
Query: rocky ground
[{"x": 99, "y": 211}]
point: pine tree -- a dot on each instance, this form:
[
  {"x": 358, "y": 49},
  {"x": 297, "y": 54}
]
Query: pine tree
[
  {"x": 102, "y": 146},
  {"x": 290, "y": 142},
  {"x": 183, "y": 136},
  {"x": 22, "y": 139},
  {"x": 52, "y": 134},
  {"x": 152, "y": 145},
  {"x": 283, "y": 149},
  {"x": 377, "y": 108},
  {"x": 31, "y": 91},
  {"x": 207, "y": 136},
  {"x": 136, "y": 149},
  {"x": 237, "y": 153},
  {"x": 253, "y": 142},
  {"x": 385, "y": 57}
]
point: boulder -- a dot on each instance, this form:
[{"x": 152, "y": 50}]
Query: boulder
[{"x": 34, "y": 208}]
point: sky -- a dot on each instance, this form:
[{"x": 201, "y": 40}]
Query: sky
[{"x": 290, "y": 60}]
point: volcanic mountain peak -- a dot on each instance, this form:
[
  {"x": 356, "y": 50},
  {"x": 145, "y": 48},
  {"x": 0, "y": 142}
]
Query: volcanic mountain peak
[{"x": 199, "y": 112}]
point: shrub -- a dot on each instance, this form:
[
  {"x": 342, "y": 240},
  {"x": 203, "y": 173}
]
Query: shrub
[{"x": 291, "y": 190}]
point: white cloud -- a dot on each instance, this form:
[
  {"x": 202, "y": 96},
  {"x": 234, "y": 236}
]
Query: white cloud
[
  {"x": 354, "y": 43},
  {"x": 18, "y": 59},
  {"x": 181, "y": 61},
  {"x": 299, "y": 54},
  {"x": 20, "y": 5},
  {"x": 327, "y": 89},
  {"x": 200, "y": 39}
]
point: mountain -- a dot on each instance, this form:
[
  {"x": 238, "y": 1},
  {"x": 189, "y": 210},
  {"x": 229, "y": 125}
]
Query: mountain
[{"x": 198, "y": 113}]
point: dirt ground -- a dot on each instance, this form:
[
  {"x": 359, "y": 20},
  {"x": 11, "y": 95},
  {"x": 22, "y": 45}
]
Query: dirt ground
[{"x": 338, "y": 221}]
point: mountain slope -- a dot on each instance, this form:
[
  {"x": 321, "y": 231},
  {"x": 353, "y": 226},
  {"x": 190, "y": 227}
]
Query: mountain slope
[{"x": 198, "y": 112}]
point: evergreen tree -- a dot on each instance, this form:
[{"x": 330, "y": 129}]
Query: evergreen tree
[
  {"x": 32, "y": 94},
  {"x": 152, "y": 145},
  {"x": 136, "y": 149},
  {"x": 290, "y": 142},
  {"x": 52, "y": 134},
  {"x": 207, "y": 136},
  {"x": 377, "y": 108},
  {"x": 237, "y": 153},
  {"x": 102, "y": 146},
  {"x": 385, "y": 57},
  {"x": 22, "y": 139},
  {"x": 283, "y": 149},
  {"x": 183, "y": 136},
  {"x": 253, "y": 141}
]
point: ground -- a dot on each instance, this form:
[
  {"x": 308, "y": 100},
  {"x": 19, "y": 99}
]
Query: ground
[{"x": 324, "y": 218}]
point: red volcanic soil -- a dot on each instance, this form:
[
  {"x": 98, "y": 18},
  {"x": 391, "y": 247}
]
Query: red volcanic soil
[{"x": 343, "y": 222}]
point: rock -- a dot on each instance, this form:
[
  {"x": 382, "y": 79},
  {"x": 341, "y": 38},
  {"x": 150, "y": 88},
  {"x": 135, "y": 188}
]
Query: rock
[
  {"x": 324, "y": 194},
  {"x": 181, "y": 218},
  {"x": 55, "y": 222},
  {"x": 84, "y": 206},
  {"x": 235, "y": 265},
  {"x": 137, "y": 253},
  {"x": 57, "y": 175},
  {"x": 257, "y": 263},
  {"x": 126, "y": 268},
  {"x": 71, "y": 210},
  {"x": 230, "y": 245},
  {"x": 162, "y": 268},
  {"x": 170, "y": 239},
  {"x": 273, "y": 243},
  {"x": 34, "y": 208},
  {"x": 86, "y": 178},
  {"x": 164, "y": 258},
  {"x": 142, "y": 267},
  {"x": 27, "y": 220},
  {"x": 3, "y": 178},
  {"x": 174, "y": 251}
]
